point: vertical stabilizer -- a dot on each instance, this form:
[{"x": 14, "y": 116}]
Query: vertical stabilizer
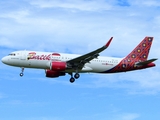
[
  {"x": 138, "y": 56},
  {"x": 140, "y": 53}
]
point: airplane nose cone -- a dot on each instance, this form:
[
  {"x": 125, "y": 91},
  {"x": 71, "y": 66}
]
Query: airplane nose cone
[{"x": 4, "y": 60}]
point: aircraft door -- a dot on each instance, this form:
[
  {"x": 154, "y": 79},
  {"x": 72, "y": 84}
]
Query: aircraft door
[
  {"x": 23, "y": 59},
  {"x": 23, "y": 56}
]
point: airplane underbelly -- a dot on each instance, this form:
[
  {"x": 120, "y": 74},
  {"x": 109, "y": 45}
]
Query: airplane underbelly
[
  {"x": 38, "y": 64},
  {"x": 34, "y": 64}
]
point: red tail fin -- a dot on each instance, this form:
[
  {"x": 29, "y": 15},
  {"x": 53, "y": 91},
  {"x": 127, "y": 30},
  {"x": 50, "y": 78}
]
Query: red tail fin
[{"x": 140, "y": 53}]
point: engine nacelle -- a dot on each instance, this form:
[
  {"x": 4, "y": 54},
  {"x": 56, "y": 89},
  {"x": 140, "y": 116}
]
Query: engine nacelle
[
  {"x": 54, "y": 74},
  {"x": 58, "y": 66}
]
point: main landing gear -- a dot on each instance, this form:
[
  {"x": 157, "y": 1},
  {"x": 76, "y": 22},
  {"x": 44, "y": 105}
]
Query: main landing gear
[
  {"x": 76, "y": 76},
  {"x": 21, "y": 74}
]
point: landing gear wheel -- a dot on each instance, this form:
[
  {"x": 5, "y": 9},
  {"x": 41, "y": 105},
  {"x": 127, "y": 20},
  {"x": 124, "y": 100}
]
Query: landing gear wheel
[
  {"x": 76, "y": 75},
  {"x": 21, "y": 74},
  {"x": 72, "y": 80}
]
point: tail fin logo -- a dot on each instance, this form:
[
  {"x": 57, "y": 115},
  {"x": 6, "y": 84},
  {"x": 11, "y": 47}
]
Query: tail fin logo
[{"x": 139, "y": 54}]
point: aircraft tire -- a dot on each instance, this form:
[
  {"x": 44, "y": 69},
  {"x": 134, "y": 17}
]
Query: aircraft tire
[
  {"x": 76, "y": 75},
  {"x": 72, "y": 80},
  {"x": 21, "y": 74}
]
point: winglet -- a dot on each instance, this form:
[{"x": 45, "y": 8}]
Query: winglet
[{"x": 108, "y": 43}]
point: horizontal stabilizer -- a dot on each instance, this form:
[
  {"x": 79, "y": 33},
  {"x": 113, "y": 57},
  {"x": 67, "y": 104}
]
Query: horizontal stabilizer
[{"x": 146, "y": 62}]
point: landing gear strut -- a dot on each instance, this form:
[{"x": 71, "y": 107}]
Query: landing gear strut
[
  {"x": 72, "y": 78},
  {"x": 76, "y": 76},
  {"x": 21, "y": 74}
]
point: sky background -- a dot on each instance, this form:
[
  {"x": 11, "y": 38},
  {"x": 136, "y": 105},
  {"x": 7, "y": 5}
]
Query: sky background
[{"x": 79, "y": 26}]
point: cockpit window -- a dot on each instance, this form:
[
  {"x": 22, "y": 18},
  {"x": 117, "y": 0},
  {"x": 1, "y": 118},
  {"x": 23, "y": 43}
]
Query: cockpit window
[{"x": 12, "y": 54}]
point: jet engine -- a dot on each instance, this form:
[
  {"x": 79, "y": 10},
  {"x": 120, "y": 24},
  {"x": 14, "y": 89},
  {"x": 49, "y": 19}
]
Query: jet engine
[
  {"x": 54, "y": 74},
  {"x": 58, "y": 66}
]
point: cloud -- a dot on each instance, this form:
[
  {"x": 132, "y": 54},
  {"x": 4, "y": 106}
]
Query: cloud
[
  {"x": 82, "y": 5},
  {"x": 146, "y": 3},
  {"x": 129, "y": 116},
  {"x": 80, "y": 27},
  {"x": 60, "y": 29},
  {"x": 43, "y": 118},
  {"x": 137, "y": 82},
  {"x": 53, "y": 26}
]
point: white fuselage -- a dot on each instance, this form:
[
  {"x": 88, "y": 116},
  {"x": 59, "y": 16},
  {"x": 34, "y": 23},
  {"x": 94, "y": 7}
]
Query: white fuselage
[{"x": 42, "y": 60}]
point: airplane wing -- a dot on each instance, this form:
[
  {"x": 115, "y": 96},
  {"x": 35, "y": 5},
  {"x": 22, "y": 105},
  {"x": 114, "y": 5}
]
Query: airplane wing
[
  {"x": 146, "y": 62},
  {"x": 81, "y": 60}
]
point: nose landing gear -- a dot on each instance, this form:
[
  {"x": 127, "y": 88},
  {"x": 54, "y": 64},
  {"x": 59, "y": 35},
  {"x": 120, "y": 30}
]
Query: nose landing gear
[{"x": 21, "y": 74}]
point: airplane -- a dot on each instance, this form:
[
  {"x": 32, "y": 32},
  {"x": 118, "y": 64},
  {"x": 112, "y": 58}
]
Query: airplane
[{"x": 58, "y": 64}]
